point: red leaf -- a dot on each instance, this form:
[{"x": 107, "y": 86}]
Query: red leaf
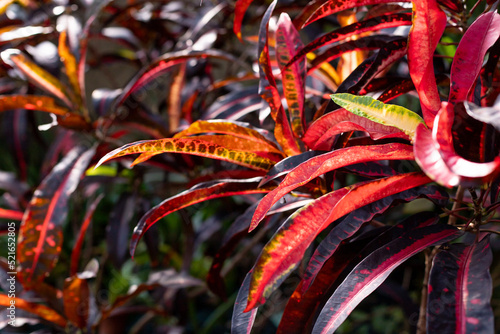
[
  {"x": 286, "y": 249},
  {"x": 351, "y": 224},
  {"x": 268, "y": 90},
  {"x": 240, "y": 8},
  {"x": 75, "y": 255},
  {"x": 374, "y": 269},
  {"x": 468, "y": 60},
  {"x": 436, "y": 154},
  {"x": 11, "y": 214},
  {"x": 293, "y": 77},
  {"x": 316, "y": 10},
  {"x": 428, "y": 26},
  {"x": 321, "y": 134},
  {"x": 372, "y": 24},
  {"x": 197, "y": 194},
  {"x": 460, "y": 289},
  {"x": 40, "y": 234},
  {"x": 428, "y": 157},
  {"x": 162, "y": 65},
  {"x": 319, "y": 165}
]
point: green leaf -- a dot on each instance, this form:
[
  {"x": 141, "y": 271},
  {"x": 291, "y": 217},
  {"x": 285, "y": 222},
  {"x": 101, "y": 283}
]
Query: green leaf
[{"x": 387, "y": 114}]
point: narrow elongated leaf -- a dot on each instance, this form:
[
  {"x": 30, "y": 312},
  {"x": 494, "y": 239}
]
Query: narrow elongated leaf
[
  {"x": 164, "y": 64},
  {"x": 374, "y": 269},
  {"x": 237, "y": 129},
  {"x": 43, "y": 79},
  {"x": 442, "y": 136},
  {"x": 387, "y": 114},
  {"x": 11, "y": 214},
  {"x": 351, "y": 224},
  {"x": 31, "y": 102},
  {"x": 285, "y": 250},
  {"x": 362, "y": 44},
  {"x": 489, "y": 91},
  {"x": 293, "y": 77},
  {"x": 468, "y": 60},
  {"x": 428, "y": 26},
  {"x": 191, "y": 146},
  {"x": 321, "y": 134},
  {"x": 319, "y": 165},
  {"x": 70, "y": 65},
  {"x": 460, "y": 290},
  {"x": 75, "y": 254},
  {"x": 42, "y": 311},
  {"x": 372, "y": 24},
  {"x": 242, "y": 321},
  {"x": 371, "y": 67},
  {"x": 76, "y": 297},
  {"x": 240, "y": 9},
  {"x": 286, "y": 165},
  {"x": 40, "y": 234},
  {"x": 316, "y": 10},
  {"x": 197, "y": 194},
  {"x": 268, "y": 90}
]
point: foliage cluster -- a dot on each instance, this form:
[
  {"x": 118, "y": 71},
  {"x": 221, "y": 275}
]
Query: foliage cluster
[{"x": 275, "y": 188}]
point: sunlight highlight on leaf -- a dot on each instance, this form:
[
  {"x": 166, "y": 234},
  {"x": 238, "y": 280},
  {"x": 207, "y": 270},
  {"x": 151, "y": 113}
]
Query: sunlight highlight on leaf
[{"x": 377, "y": 111}]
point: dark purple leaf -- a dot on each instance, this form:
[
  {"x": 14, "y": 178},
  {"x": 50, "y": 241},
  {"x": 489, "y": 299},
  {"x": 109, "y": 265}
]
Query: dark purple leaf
[
  {"x": 357, "y": 28},
  {"x": 460, "y": 290},
  {"x": 118, "y": 228},
  {"x": 242, "y": 322},
  {"x": 355, "y": 220},
  {"x": 373, "y": 270},
  {"x": 286, "y": 165}
]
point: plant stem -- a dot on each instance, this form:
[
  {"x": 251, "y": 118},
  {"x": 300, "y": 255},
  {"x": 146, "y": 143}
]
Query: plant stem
[
  {"x": 422, "y": 316},
  {"x": 459, "y": 196}
]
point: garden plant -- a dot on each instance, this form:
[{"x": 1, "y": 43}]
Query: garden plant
[{"x": 249, "y": 166}]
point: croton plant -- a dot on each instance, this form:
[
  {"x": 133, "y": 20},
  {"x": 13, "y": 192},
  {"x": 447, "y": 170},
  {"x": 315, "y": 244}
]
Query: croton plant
[{"x": 342, "y": 137}]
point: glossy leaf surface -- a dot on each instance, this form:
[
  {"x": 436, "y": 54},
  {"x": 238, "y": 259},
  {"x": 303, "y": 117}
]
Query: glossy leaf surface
[
  {"x": 468, "y": 60},
  {"x": 355, "y": 220},
  {"x": 285, "y": 250},
  {"x": 319, "y": 165},
  {"x": 287, "y": 43},
  {"x": 428, "y": 26},
  {"x": 316, "y": 10},
  {"x": 197, "y": 194},
  {"x": 460, "y": 288},
  {"x": 191, "y": 146},
  {"x": 374, "y": 269},
  {"x": 387, "y": 114},
  {"x": 242, "y": 322},
  {"x": 357, "y": 28},
  {"x": 442, "y": 136},
  {"x": 321, "y": 133},
  {"x": 40, "y": 234}
]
